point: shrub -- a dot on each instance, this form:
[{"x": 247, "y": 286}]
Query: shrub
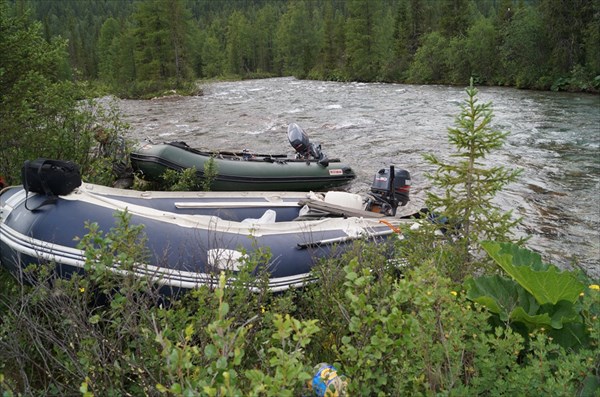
[
  {"x": 415, "y": 333},
  {"x": 180, "y": 180}
]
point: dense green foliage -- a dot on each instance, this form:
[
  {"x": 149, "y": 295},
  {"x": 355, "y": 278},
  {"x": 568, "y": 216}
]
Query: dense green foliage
[
  {"x": 139, "y": 48},
  {"x": 109, "y": 334},
  {"x": 42, "y": 113}
]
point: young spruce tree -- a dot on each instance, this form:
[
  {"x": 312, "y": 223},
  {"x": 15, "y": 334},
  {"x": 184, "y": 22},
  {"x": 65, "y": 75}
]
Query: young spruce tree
[{"x": 464, "y": 189}]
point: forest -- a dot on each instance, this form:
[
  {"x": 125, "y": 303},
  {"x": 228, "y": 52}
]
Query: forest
[{"x": 133, "y": 48}]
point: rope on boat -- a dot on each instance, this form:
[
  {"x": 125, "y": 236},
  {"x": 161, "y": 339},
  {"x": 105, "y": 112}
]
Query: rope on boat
[{"x": 388, "y": 224}]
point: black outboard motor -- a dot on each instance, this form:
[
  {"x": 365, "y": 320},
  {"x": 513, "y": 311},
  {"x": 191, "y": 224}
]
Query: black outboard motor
[
  {"x": 390, "y": 189},
  {"x": 304, "y": 148}
]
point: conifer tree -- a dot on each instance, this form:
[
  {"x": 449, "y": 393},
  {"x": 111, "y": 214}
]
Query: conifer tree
[
  {"x": 264, "y": 33},
  {"x": 238, "y": 45},
  {"x": 466, "y": 187},
  {"x": 297, "y": 42},
  {"x": 107, "y": 49},
  {"x": 362, "y": 47},
  {"x": 162, "y": 47},
  {"x": 213, "y": 57}
]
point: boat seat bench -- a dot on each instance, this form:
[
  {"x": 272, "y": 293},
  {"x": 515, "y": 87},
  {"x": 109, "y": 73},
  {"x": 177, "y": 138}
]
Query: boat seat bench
[{"x": 333, "y": 209}]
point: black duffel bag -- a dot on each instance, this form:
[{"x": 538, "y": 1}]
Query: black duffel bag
[{"x": 50, "y": 177}]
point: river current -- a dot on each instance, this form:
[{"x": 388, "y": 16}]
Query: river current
[{"x": 553, "y": 137}]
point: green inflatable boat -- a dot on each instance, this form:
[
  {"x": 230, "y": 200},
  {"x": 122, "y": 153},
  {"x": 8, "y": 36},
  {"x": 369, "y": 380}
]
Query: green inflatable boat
[{"x": 310, "y": 169}]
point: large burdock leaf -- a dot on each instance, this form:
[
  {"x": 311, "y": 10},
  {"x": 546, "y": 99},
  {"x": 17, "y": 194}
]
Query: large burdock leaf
[
  {"x": 571, "y": 335},
  {"x": 512, "y": 303},
  {"x": 549, "y": 316},
  {"x": 545, "y": 282},
  {"x": 500, "y": 295}
]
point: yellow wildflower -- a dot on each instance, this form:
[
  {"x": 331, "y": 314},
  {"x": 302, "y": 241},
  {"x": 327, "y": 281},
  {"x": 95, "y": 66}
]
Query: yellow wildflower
[
  {"x": 595, "y": 287},
  {"x": 454, "y": 293},
  {"x": 82, "y": 290}
]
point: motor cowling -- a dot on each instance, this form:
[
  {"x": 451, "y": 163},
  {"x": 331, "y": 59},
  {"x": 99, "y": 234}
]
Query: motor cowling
[
  {"x": 304, "y": 148},
  {"x": 390, "y": 189},
  {"x": 298, "y": 139}
]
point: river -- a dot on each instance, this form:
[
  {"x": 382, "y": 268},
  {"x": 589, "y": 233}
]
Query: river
[{"x": 553, "y": 137}]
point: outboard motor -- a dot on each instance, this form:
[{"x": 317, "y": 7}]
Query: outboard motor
[
  {"x": 390, "y": 189},
  {"x": 304, "y": 148}
]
